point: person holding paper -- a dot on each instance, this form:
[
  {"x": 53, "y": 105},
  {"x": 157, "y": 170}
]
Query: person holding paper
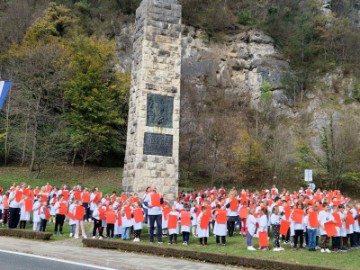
[
  {"x": 232, "y": 206},
  {"x": 312, "y": 224},
  {"x": 60, "y": 208},
  {"x": 14, "y": 207},
  {"x": 97, "y": 212},
  {"x": 251, "y": 229},
  {"x": 185, "y": 218},
  {"x": 138, "y": 221},
  {"x": 275, "y": 220},
  {"x": 79, "y": 212},
  {"x": 153, "y": 202},
  {"x": 173, "y": 225},
  {"x": 24, "y": 213},
  {"x": 220, "y": 227},
  {"x": 297, "y": 218},
  {"x": 263, "y": 230},
  {"x": 44, "y": 215},
  {"x": 203, "y": 225},
  {"x": 325, "y": 217}
]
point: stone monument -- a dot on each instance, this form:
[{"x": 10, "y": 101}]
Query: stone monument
[{"x": 152, "y": 147}]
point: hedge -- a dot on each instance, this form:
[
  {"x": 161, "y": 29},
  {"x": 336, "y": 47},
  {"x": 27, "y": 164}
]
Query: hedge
[
  {"x": 25, "y": 234},
  {"x": 200, "y": 255}
]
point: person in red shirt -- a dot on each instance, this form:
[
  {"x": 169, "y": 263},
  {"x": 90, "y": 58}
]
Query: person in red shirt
[{"x": 85, "y": 198}]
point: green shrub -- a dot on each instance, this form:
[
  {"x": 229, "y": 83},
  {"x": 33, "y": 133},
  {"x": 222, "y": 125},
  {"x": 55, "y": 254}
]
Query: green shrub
[
  {"x": 245, "y": 18},
  {"x": 25, "y": 234},
  {"x": 265, "y": 91}
]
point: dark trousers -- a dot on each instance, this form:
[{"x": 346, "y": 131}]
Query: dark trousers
[
  {"x": 14, "y": 217},
  {"x": 87, "y": 211},
  {"x": 6, "y": 216},
  {"x": 352, "y": 238},
  {"x": 276, "y": 230},
  {"x": 286, "y": 237},
  {"x": 324, "y": 241},
  {"x": 336, "y": 242},
  {"x": 186, "y": 237},
  {"x": 0, "y": 213},
  {"x": 299, "y": 234},
  {"x": 203, "y": 240},
  {"x": 137, "y": 234},
  {"x": 173, "y": 238},
  {"x": 231, "y": 225},
  {"x": 223, "y": 239},
  {"x": 22, "y": 224},
  {"x": 98, "y": 226},
  {"x": 59, "y": 222},
  {"x": 42, "y": 225},
  {"x": 146, "y": 215},
  {"x": 110, "y": 230},
  {"x": 158, "y": 219}
]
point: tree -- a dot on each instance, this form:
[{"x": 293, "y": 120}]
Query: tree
[
  {"x": 339, "y": 154},
  {"x": 95, "y": 96},
  {"x": 35, "y": 123}
]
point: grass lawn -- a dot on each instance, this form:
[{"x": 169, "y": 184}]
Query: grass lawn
[{"x": 107, "y": 179}]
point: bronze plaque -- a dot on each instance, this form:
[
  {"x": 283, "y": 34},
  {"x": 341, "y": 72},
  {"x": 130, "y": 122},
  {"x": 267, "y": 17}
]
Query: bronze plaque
[
  {"x": 159, "y": 111},
  {"x": 158, "y": 144}
]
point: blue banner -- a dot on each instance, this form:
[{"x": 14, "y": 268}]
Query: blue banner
[{"x": 4, "y": 90}]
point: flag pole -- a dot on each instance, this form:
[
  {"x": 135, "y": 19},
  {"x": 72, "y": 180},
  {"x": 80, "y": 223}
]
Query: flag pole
[{"x": 7, "y": 128}]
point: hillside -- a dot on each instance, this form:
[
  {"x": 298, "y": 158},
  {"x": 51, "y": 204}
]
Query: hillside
[{"x": 269, "y": 88}]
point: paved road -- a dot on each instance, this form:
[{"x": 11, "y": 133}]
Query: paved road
[
  {"x": 21, "y": 261},
  {"x": 72, "y": 250}
]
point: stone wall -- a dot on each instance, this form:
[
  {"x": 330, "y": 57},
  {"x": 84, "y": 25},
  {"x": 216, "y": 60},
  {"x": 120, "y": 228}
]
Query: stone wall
[{"x": 156, "y": 79}]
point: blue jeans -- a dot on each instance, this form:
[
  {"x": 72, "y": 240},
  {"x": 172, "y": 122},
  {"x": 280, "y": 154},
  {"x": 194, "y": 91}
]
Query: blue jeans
[
  {"x": 312, "y": 238},
  {"x": 126, "y": 233},
  {"x": 158, "y": 219},
  {"x": 249, "y": 239}
]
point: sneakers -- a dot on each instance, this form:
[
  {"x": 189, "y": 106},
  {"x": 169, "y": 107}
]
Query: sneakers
[
  {"x": 160, "y": 243},
  {"x": 251, "y": 248},
  {"x": 322, "y": 250},
  {"x": 100, "y": 238},
  {"x": 70, "y": 235},
  {"x": 281, "y": 248},
  {"x": 328, "y": 250},
  {"x": 136, "y": 240},
  {"x": 276, "y": 249},
  {"x": 93, "y": 237},
  {"x": 185, "y": 243}
]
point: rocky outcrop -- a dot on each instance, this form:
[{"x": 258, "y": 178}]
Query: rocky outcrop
[{"x": 240, "y": 64}]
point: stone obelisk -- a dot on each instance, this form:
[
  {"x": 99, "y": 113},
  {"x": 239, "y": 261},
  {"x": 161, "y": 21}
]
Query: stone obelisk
[{"x": 152, "y": 147}]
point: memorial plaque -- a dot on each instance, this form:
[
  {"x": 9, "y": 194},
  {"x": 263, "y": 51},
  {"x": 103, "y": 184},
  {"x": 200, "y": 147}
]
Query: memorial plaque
[
  {"x": 158, "y": 144},
  {"x": 159, "y": 111}
]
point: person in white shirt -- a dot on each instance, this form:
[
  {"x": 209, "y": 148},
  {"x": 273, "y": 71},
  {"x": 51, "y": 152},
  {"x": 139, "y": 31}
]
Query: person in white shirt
[
  {"x": 154, "y": 214},
  {"x": 251, "y": 226},
  {"x": 324, "y": 217},
  {"x": 275, "y": 219},
  {"x": 14, "y": 208}
]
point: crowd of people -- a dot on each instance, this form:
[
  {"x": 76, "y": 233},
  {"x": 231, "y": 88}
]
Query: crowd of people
[{"x": 304, "y": 218}]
